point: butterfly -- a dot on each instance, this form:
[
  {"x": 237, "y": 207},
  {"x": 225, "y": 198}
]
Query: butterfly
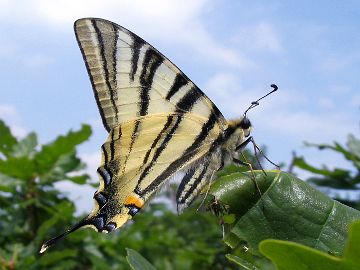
[{"x": 159, "y": 123}]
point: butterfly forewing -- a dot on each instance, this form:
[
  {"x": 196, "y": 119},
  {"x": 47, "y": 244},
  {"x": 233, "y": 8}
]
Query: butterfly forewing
[{"x": 130, "y": 78}]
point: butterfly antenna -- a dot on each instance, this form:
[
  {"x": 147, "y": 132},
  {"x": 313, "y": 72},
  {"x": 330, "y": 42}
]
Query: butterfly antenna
[{"x": 256, "y": 103}]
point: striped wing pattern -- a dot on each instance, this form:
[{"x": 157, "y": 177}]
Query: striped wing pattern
[
  {"x": 165, "y": 144},
  {"x": 159, "y": 124},
  {"x": 130, "y": 78},
  {"x": 158, "y": 121}
]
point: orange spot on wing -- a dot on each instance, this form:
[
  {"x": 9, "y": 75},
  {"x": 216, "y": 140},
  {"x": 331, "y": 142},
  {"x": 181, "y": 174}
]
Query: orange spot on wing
[{"x": 134, "y": 200}]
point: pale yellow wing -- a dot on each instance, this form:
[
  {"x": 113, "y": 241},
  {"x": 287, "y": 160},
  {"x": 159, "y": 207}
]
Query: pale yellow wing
[
  {"x": 134, "y": 167},
  {"x": 130, "y": 78}
]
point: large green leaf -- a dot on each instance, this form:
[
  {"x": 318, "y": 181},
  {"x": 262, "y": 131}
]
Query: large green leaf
[
  {"x": 286, "y": 208},
  {"x": 288, "y": 255}
]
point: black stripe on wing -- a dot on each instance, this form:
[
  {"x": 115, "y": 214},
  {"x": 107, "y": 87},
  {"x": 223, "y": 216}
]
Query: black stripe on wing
[
  {"x": 96, "y": 94},
  {"x": 135, "y": 51},
  {"x": 186, "y": 179},
  {"x": 112, "y": 91},
  {"x": 151, "y": 63},
  {"x": 185, "y": 157},
  {"x": 158, "y": 137},
  {"x": 160, "y": 149},
  {"x": 179, "y": 82},
  {"x": 186, "y": 103}
]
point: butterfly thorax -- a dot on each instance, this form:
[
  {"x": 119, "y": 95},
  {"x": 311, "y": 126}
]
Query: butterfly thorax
[{"x": 235, "y": 134}]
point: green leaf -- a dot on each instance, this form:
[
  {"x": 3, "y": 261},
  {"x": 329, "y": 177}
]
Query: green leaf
[
  {"x": 25, "y": 147},
  {"x": 354, "y": 147},
  {"x": 287, "y": 209},
  {"x": 137, "y": 262},
  {"x": 9, "y": 184},
  {"x": 7, "y": 140},
  {"x": 288, "y": 255},
  {"x": 79, "y": 179},
  {"x": 21, "y": 168},
  {"x": 302, "y": 164},
  {"x": 56, "y": 257},
  {"x": 243, "y": 263},
  {"x": 51, "y": 154},
  {"x": 64, "y": 210}
]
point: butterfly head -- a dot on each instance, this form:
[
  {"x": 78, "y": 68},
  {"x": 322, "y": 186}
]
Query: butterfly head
[
  {"x": 245, "y": 125},
  {"x": 240, "y": 127}
]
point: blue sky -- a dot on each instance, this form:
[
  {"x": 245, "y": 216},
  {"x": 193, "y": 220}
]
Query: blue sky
[{"x": 233, "y": 50}]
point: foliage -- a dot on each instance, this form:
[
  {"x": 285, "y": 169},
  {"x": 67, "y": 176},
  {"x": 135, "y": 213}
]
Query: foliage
[
  {"x": 33, "y": 210},
  {"x": 137, "y": 262},
  {"x": 337, "y": 181},
  {"x": 284, "y": 207},
  {"x": 299, "y": 257},
  {"x": 30, "y": 205}
]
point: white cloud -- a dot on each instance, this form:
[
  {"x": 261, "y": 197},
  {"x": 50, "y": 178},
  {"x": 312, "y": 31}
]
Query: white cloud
[
  {"x": 333, "y": 63},
  {"x": 293, "y": 127},
  {"x": 7, "y": 49},
  {"x": 222, "y": 86},
  {"x": 233, "y": 98},
  {"x": 326, "y": 103},
  {"x": 173, "y": 22},
  {"x": 261, "y": 36},
  {"x": 12, "y": 118},
  {"x": 12, "y": 52},
  {"x": 81, "y": 194},
  {"x": 9, "y": 111},
  {"x": 92, "y": 161},
  {"x": 37, "y": 60},
  {"x": 355, "y": 101},
  {"x": 283, "y": 114},
  {"x": 339, "y": 90},
  {"x": 95, "y": 123}
]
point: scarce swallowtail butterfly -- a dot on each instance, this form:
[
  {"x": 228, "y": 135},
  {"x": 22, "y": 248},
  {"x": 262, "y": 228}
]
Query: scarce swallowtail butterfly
[{"x": 159, "y": 123}]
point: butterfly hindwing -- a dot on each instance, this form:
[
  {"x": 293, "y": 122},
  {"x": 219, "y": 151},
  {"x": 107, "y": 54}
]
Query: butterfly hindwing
[{"x": 136, "y": 167}]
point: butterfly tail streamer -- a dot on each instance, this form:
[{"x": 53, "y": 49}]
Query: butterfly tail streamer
[{"x": 84, "y": 222}]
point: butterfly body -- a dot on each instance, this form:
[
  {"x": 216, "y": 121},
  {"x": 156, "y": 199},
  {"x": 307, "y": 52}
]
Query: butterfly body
[{"x": 159, "y": 123}]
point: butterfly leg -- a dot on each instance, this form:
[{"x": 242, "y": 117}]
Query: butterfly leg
[
  {"x": 256, "y": 149},
  {"x": 245, "y": 163},
  {"x": 207, "y": 191}
]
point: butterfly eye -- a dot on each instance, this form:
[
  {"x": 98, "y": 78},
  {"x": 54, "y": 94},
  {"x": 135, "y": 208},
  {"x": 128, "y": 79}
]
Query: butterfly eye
[{"x": 245, "y": 123}]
